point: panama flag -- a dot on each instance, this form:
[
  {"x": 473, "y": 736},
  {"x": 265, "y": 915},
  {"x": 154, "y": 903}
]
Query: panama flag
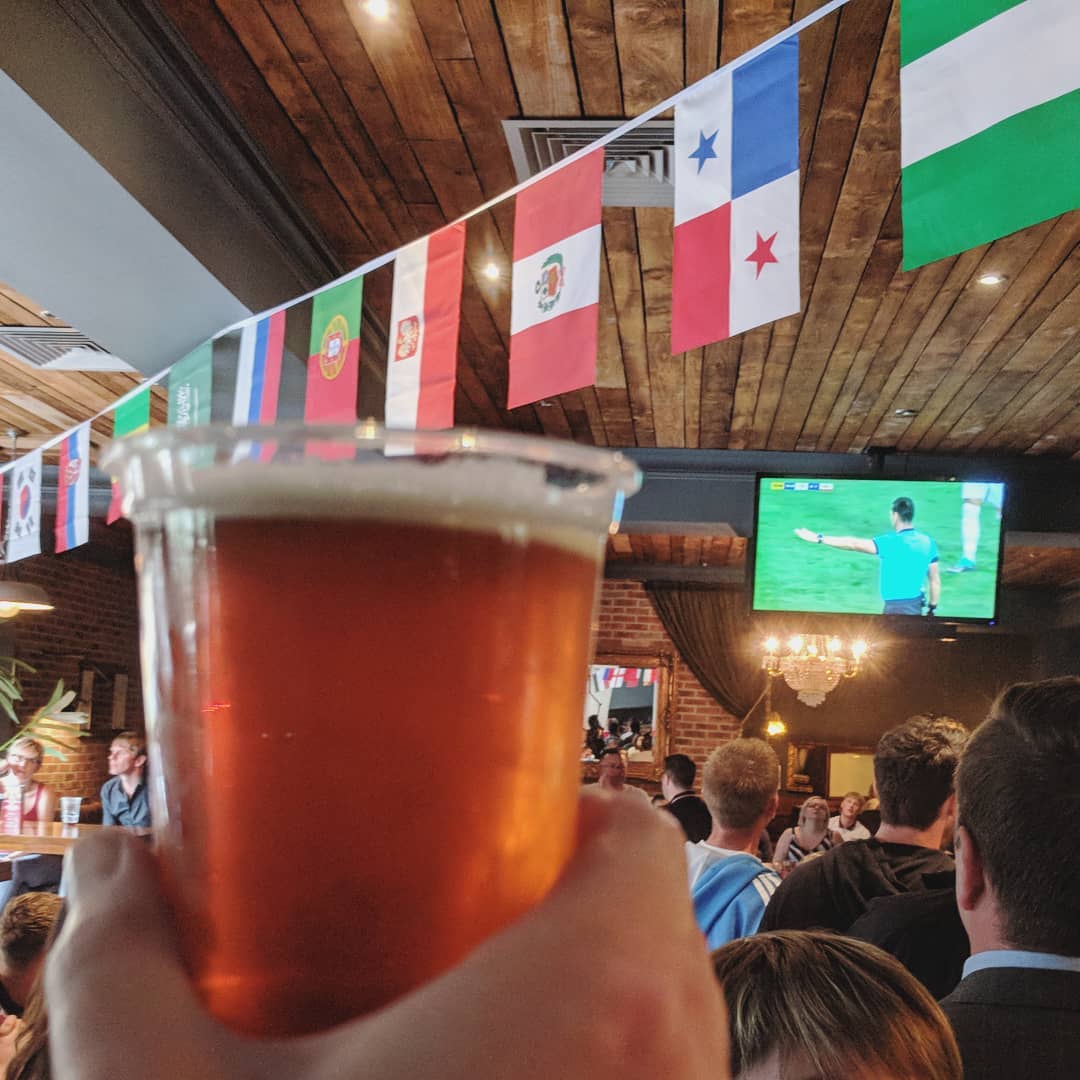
[
  {"x": 989, "y": 120},
  {"x": 24, "y": 513},
  {"x": 555, "y": 302},
  {"x": 73, "y": 490},
  {"x": 736, "y": 250},
  {"x": 424, "y": 316},
  {"x": 333, "y": 367},
  {"x": 258, "y": 375}
]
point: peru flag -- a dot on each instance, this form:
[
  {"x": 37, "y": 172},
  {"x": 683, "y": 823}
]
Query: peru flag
[
  {"x": 258, "y": 376},
  {"x": 555, "y": 301},
  {"x": 333, "y": 369},
  {"x": 424, "y": 316},
  {"x": 73, "y": 490},
  {"x": 736, "y": 250}
]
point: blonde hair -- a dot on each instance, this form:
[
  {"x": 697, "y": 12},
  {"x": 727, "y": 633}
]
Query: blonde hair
[
  {"x": 843, "y": 1005},
  {"x": 16, "y": 747},
  {"x": 738, "y": 781},
  {"x": 809, "y": 799}
]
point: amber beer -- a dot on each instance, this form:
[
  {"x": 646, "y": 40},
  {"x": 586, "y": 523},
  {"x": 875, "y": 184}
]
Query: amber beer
[{"x": 367, "y": 722}]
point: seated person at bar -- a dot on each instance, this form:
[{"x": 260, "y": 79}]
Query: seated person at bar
[
  {"x": 847, "y": 822},
  {"x": 805, "y": 1005},
  {"x": 811, "y": 834},
  {"x": 123, "y": 796},
  {"x": 24, "y": 931},
  {"x": 39, "y": 801},
  {"x": 512, "y": 1008}
]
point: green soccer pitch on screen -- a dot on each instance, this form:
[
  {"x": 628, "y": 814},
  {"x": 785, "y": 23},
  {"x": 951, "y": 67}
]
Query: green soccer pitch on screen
[{"x": 893, "y": 547}]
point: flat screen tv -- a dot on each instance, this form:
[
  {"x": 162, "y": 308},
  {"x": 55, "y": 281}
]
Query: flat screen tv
[{"x": 861, "y": 546}]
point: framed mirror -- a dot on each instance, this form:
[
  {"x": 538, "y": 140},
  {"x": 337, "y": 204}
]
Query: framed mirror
[
  {"x": 820, "y": 769},
  {"x": 628, "y": 704}
]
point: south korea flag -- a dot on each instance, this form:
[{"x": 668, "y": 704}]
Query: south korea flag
[{"x": 24, "y": 509}]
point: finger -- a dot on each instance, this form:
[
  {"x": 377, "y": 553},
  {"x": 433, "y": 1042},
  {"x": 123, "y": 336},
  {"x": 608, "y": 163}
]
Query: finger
[
  {"x": 617, "y": 933},
  {"x": 117, "y": 993}
]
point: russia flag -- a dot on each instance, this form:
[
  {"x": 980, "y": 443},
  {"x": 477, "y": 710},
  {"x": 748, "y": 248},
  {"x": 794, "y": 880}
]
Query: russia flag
[
  {"x": 258, "y": 376},
  {"x": 736, "y": 252},
  {"x": 73, "y": 490}
]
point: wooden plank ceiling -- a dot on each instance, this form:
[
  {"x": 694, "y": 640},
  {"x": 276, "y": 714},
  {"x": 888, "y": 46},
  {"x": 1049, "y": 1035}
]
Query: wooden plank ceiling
[{"x": 384, "y": 130}]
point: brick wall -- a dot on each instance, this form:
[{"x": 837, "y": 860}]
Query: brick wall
[
  {"x": 628, "y": 622},
  {"x": 94, "y": 623}
]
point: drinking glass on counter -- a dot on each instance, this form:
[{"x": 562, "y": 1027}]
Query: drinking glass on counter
[{"x": 364, "y": 657}]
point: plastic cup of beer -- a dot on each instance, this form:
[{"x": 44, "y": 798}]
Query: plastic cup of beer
[
  {"x": 364, "y": 659},
  {"x": 69, "y": 809}
]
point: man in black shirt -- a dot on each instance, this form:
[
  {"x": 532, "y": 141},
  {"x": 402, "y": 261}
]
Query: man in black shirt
[
  {"x": 677, "y": 783},
  {"x": 914, "y": 766}
]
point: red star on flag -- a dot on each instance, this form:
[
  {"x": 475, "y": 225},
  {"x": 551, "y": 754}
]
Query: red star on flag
[{"x": 763, "y": 253}]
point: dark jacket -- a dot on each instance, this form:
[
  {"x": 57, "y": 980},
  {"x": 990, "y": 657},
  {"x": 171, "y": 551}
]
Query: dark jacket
[
  {"x": 693, "y": 815},
  {"x": 1017, "y": 1022},
  {"x": 922, "y": 930},
  {"x": 831, "y": 891}
]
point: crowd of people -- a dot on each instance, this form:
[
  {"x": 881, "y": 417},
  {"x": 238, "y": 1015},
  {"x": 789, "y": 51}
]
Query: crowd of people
[{"x": 847, "y": 967}]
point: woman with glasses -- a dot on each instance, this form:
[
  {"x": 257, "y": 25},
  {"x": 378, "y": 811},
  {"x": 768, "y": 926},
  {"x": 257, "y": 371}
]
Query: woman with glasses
[{"x": 38, "y": 800}]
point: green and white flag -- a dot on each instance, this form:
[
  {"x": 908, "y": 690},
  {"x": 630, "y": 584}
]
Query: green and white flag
[
  {"x": 190, "y": 384},
  {"x": 989, "y": 117}
]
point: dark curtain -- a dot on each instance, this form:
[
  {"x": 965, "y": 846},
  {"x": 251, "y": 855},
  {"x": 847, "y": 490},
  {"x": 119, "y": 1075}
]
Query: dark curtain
[{"x": 715, "y": 636}]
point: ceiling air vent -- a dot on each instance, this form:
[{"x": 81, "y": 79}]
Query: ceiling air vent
[
  {"x": 637, "y": 165},
  {"x": 58, "y": 348}
]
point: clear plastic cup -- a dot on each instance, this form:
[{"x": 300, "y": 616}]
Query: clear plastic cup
[
  {"x": 364, "y": 658},
  {"x": 69, "y": 809}
]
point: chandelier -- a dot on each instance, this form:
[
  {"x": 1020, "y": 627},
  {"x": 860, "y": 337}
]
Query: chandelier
[{"x": 813, "y": 664}]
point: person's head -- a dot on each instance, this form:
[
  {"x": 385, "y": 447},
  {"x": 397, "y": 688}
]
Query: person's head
[
  {"x": 851, "y": 806},
  {"x": 904, "y": 509},
  {"x": 127, "y": 754},
  {"x": 739, "y": 783},
  {"x": 814, "y": 812},
  {"x": 1021, "y": 767},
  {"x": 808, "y": 1005},
  {"x": 24, "y": 931},
  {"x": 612, "y": 768},
  {"x": 594, "y": 722},
  {"x": 678, "y": 775},
  {"x": 24, "y": 758},
  {"x": 914, "y": 766}
]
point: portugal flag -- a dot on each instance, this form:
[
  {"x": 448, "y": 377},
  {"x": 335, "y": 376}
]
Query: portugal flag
[{"x": 333, "y": 367}]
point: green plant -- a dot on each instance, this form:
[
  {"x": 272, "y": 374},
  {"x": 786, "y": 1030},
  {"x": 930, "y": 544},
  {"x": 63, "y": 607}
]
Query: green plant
[{"x": 54, "y": 734}]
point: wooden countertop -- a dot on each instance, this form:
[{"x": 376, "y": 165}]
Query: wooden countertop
[{"x": 51, "y": 837}]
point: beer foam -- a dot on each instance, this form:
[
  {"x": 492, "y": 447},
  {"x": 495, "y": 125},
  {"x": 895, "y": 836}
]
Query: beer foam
[{"x": 511, "y": 498}]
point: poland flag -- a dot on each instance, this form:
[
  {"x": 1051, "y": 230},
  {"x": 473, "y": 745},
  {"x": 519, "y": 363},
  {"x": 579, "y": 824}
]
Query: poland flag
[
  {"x": 425, "y": 312},
  {"x": 736, "y": 251},
  {"x": 555, "y": 301}
]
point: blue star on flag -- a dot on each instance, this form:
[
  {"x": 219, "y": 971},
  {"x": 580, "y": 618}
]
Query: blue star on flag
[{"x": 704, "y": 149}]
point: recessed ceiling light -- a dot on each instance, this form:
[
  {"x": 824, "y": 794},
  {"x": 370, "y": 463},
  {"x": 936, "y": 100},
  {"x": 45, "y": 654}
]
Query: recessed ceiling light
[
  {"x": 378, "y": 9},
  {"x": 991, "y": 279},
  {"x": 491, "y": 272},
  {"x": 906, "y": 413}
]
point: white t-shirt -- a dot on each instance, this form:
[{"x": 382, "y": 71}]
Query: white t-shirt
[
  {"x": 858, "y": 831},
  {"x": 700, "y": 856}
]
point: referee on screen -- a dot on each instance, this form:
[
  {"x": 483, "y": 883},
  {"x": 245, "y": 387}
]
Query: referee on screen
[{"x": 910, "y": 574}]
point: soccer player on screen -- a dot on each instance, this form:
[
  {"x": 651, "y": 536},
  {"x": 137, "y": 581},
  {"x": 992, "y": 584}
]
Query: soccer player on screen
[
  {"x": 973, "y": 496},
  {"x": 910, "y": 573}
]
